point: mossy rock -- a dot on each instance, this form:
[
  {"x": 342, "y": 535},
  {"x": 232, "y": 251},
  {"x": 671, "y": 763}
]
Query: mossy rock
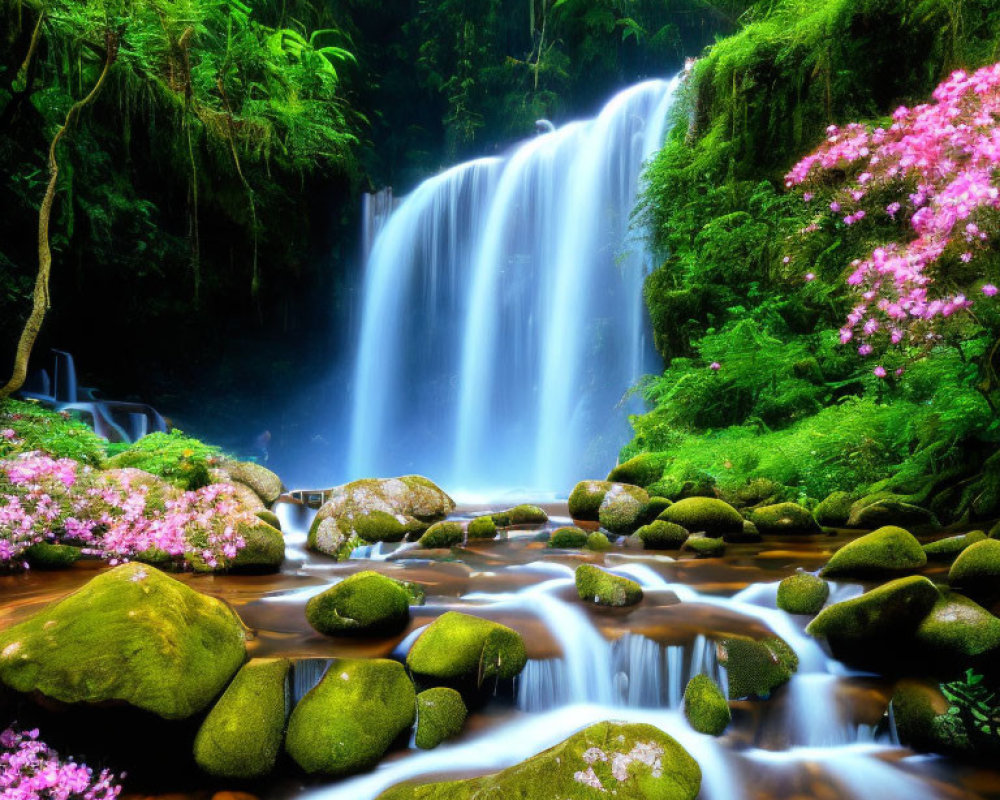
[
  {"x": 759, "y": 492},
  {"x": 749, "y": 534},
  {"x": 269, "y": 517},
  {"x": 640, "y": 470},
  {"x": 264, "y": 550},
  {"x": 482, "y": 528},
  {"x": 802, "y": 593},
  {"x": 783, "y": 518},
  {"x": 266, "y": 484},
  {"x": 662, "y": 535},
  {"x": 917, "y": 709},
  {"x": 46, "y": 556},
  {"x": 652, "y": 509},
  {"x": 995, "y": 531},
  {"x": 946, "y": 549},
  {"x": 756, "y": 667},
  {"x": 586, "y": 497},
  {"x": 598, "y": 542},
  {"x": 381, "y": 526},
  {"x": 328, "y": 538},
  {"x": 834, "y": 510},
  {"x": 441, "y": 714},
  {"x": 705, "y": 706},
  {"x": 604, "y": 589},
  {"x": 501, "y": 519},
  {"x": 130, "y": 635},
  {"x": 704, "y": 546},
  {"x": 706, "y": 515},
  {"x": 621, "y": 507},
  {"x": 885, "y": 551},
  {"x": 241, "y": 736},
  {"x": 364, "y": 603},
  {"x": 627, "y": 761},
  {"x": 977, "y": 569},
  {"x": 347, "y": 722},
  {"x": 877, "y": 512},
  {"x": 442, "y": 534},
  {"x": 568, "y": 538},
  {"x": 463, "y": 648},
  {"x": 526, "y": 515},
  {"x": 957, "y": 629}
]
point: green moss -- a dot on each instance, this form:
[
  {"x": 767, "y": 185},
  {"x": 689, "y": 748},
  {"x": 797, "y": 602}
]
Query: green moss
[
  {"x": 264, "y": 550},
  {"x": 653, "y": 509},
  {"x": 38, "y": 429},
  {"x": 914, "y": 707},
  {"x": 704, "y": 546},
  {"x": 755, "y": 668},
  {"x": 834, "y": 509},
  {"x": 347, "y": 722},
  {"x": 802, "y": 593},
  {"x": 183, "y": 461},
  {"x": 957, "y": 629},
  {"x": 266, "y": 484},
  {"x": 598, "y": 542},
  {"x": 365, "y": 603},
  {"x": 51, "y": 556},
  {"x": 269, "y": 517},
  {"x": 641, "y": 470},
  {"x": 526, "y": 515},
  {"x": 705, "y": 515},
  {"x": 620, "y": 509},
  {"x": 441, "y": 714},
  {"x": 482, "y": 528},
  {"x": 461, "y": 647},
  {"x": 442, "y": 534},
  {"x": 662, "y": 535},
  {"x": 783, "y": 518},
  {"x": 656, "y": 766},
  {"x": 568, "y": 538},
  {"x": 585, "y": 499},
  {"x": 133, "y": 635},
  {"x": 327, "y": 537},
  {"x": 886, "y": 511},
  {"x": 501, "y": 519},
  {"x": 977, "y": 569},
  {"x": 705, "y": 706},
  {"x": 884, "y": 551},
  {"x": 948, "y": 548},
  {"x": 242, "y": 734},
  {"x": 597, "y": 586},
  {"x": 381, "y": 526}
]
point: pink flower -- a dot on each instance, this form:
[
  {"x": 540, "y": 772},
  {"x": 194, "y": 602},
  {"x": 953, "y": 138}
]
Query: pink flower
[
  {"x": 879, "y": 372},
  {"x": 715, "y": 366},
  {"x": 810, "y": 277},
  {"x": 989, "y": 289}
]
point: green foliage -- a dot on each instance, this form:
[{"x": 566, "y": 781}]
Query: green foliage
[
  {"x": 183, "y": 461},
  {"x": 976, "y": 706},
  {"x": 38, "y": 428}
]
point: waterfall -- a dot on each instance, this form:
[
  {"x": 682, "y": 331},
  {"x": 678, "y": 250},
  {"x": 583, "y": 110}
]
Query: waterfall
[{"x": 502, "y": 320}]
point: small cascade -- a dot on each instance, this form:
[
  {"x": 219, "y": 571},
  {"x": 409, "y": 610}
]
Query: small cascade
[{"x": 815, "y": 715}]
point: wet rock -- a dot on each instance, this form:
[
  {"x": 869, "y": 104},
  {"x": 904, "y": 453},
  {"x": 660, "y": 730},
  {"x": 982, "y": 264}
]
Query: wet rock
[
  {"x": 364, "y": 603},
  {"x": 783, "y": 518},
  {"x": 915, "y": 706},
  {"x": 756, "y": 667},
  {"x": 264, "y": 550},
  {"x": 977, "y": 569},
  {"x": 598, "y": 542},
  {"x": 620, "y": 760},
  {"x": 834, "y": 510},
  {"x": 946, "y": 549},
  {"x": 568, "y": 538},
  {"x": 526, "y": 515},
  {"x": 265, "y": 484},
  {"x": 749, "y": 534},
  {"x": 884, "y": 551},
  {"x": 442, "y": 534},
  {"x": 640, "y": 470},
  {"x": 347, "y": 722},
  {"x": 662, "y": 535},
  {"x": 270, "y": 518},
  {"x": 704, "y": 546},
  {"x": 705, "y": 706},
  {"x": 242, "y": 734},
  {"x": 441, "y": 714},
  {"x": 131, "y": 635},
  {"x": 51, "y": 556},
  {"x": 651, "y": 510},
  {"x": 875, "y": 512},
  {"x": 620, "y": 509},
  {"x": 482, "y": 528},
  {"x": 328, "y": 538},
  {"x": 802, "y": 593},
  {"x": 597, "y": 586},
  {"x": 759, "y": 492},
  {"x": 957, "y": 630},
  {"x": 463, "y": 648},
  {"x": 706, "y": 515}
]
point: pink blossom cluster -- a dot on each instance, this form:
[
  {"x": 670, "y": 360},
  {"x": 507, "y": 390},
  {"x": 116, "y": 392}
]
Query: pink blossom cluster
[
  {"x": 31, "y": 770},
  {"x": 941, "y": 160}
]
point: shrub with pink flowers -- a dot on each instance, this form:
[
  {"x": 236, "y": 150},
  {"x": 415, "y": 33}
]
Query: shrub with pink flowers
[
  {"x": 31, "y": 770},
  {"x": 933, "y": 171}
]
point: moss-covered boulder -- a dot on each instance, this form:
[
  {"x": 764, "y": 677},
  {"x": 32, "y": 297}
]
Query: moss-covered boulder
[
  {"x": 640, "y": 470},
  {"x": 878, "y": 511},
  {"x": 526, "y": 515},
  {"x": 328, "y": 538},
  {"x": 44, "y": 555},
  {"x": 442, "y": 534},
  {"x": 378, "y": 509},
  {"x": 706, "y": 515},
  {"x": 242, "y": 734},
  {"x": 802, "y": 593},
  {"x": 977, "y": 569},
  {"x": 441, "y": 714},
  {"x": 885, "y": 551},
  {"x": 568, "y": 538},
  {"x": 269, "y": 517},
  {"x": 783, "y": 518},
  {"x": 347, "y": 722},
  {"x": 621, "y": 507},
  {"x": 704, "y": 546},
  {"x": 662, "y": 535},
  {"x": 915, "y": 707},
  {"x": 834, "y": 509},
  {"x": 957, "y": 629},
  {"x": 365, "y": 603},
  {"x": 609, "y": 759},
  {"x": 482, "y": 528},
  {"x": 586, "y": 497},
  {"x": 265, "y": 484},
  {"x": 598, "y": 542},
  {"x": 947, "y": 548},
  {"x": 705, "y": 706},
  {"x": 459, "y": 647},
  {"x": 264, "y": 549},
  {"x": 597, "y": 586},
  {"x": 653, "y": 508},
  {"x": 130, "y": 635},
  {"x": 756, "y": 667}
]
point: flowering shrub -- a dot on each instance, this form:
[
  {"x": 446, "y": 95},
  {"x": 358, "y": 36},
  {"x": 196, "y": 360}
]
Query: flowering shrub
[
  {"x": 26, "y": 427},
  {"x": 30, "y": 770},
  {"x": 936, "y": 165}
]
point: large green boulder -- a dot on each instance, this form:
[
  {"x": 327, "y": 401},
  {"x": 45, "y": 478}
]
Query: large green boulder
[
  {"x": 441, "y": 714},
  {"x": 347, "y": 722},
  {"x": 568, "y": 538},
  {"x": 264, "y": 549},
  {"x": 462, "y": 648},
  {"x": 482, "y": 528},
  {"x": 756, "y": 667},
  {"x": 948, "y": 548},
  {"x": 364, "y": 603},
  {"x": 586, "y": 497},
  {"x": 884, "y": 551},
  {"x": 802, "y": 593},
  {"x": 915, "y": 708},
  {"x": 378, "y": 509},
  {"x": 662, "y": 535},
  {"x": 705, "y": 706},
  {"x": 706, "y": 515},
  {"x": 442, "y": 534},
  {"x": 328, "y": 538},
  {"x": 265, "y": 484},
  {"x": 610, "y": 759},
  {"x": 957, "y": 629},
  {"x": 977, "y": 569},
  {"x": 130, "y": 635},
  {"x": 597, "y": 586},
  {"x": 526, "y": 515},
  {"x": 598, "y": 542},
  {"x": 653, "y": 508},
  {"x": 621, "y": 507},
  {"x": 242, "y": 734},
  {"x": 878, "y": 511},
  {"x": 834, "y": 510},
  {"x": 783, "y": 518},
  {"x": 640, "y": 470}
]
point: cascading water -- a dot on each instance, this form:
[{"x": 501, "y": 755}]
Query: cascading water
[{"x": 503, "y": 318}]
